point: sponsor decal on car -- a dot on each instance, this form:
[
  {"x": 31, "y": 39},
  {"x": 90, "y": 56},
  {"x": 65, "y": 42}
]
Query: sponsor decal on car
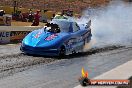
[{"x": 38, "y": 34}]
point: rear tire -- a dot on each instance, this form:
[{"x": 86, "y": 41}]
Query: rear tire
[{"x": 62, "y": 51}]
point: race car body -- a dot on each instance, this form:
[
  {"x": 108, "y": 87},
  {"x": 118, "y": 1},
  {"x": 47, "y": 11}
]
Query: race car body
[{"x": 59, "y": 37}]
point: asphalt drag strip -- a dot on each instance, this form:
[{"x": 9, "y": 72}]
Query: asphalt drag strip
[
  {"x": 13, "y": 61},
  {"x": 60, "y": 73}
]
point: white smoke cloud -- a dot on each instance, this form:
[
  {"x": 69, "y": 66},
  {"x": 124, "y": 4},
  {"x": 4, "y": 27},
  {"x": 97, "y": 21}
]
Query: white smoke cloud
[{"x": 111, "y": 25}]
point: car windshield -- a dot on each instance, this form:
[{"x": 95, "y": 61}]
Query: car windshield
[{"x": 63, "y": 25}]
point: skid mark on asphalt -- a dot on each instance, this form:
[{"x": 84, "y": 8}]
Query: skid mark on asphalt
[
  {"x": 63, "y": 70},
  {"x": 10, "y": 64},
  {"x": 95, "y": 51}
]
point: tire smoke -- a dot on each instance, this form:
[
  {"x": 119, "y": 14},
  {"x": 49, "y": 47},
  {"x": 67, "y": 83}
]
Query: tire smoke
[{"x": 111, "y": 25}]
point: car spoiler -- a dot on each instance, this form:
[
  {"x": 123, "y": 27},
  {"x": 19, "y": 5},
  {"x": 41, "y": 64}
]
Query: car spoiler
[{"x": 88, "y": 24}]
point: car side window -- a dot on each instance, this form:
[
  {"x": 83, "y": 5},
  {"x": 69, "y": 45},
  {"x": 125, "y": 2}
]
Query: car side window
[{"x": 75, "y": 27}]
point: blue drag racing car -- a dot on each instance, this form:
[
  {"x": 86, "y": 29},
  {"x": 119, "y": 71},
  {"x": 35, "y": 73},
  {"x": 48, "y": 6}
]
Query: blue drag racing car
[{"x": 58, "y": 38}]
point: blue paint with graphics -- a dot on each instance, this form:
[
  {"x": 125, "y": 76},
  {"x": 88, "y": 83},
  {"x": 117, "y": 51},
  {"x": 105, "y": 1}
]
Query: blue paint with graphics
[{"x": 72, "y": 38}]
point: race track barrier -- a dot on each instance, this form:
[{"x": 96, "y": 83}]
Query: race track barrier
[{"x": 13, "y": 34}]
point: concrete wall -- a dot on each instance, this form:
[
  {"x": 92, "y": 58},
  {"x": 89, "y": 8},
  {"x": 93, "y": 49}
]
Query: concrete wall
[{"x": 9, "y": 34}]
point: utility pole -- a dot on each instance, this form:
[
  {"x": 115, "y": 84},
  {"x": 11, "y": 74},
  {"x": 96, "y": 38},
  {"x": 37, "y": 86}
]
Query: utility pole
[{"x": 14, "y": 5}]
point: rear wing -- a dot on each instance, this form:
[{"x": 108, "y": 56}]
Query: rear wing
[{"x": 88, "y": 24}]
